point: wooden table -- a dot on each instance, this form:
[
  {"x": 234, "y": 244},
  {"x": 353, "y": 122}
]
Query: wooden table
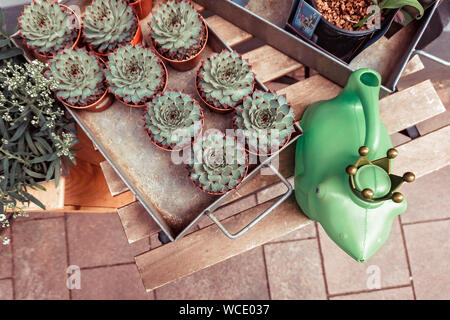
[{"x": 206, "y": 245}]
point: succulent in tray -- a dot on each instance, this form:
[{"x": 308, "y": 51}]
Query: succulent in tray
[
  {"x": 224, "y": 79},
  {"x": 135, "y": 74},
  {"x": 108, "y": 24},
  {"x": 177, "y": 30},
  {"x": 173, "y": 120},
  {"x": 79, "y": 77},
  {"x": 46, "y": 27},
  {"x": 219, "y": 163},
  {"x": 267, "y": 121}
]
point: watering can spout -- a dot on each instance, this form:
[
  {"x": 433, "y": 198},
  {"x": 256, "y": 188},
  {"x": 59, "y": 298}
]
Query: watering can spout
[{"x": 366, "y": 84}]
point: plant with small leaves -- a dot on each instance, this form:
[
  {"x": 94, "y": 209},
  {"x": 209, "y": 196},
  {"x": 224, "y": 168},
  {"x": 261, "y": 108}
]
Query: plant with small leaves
[
  {"x": 135, "y": 74},
  {"x": 109, "y": 24},
  {"x": 78, "y": 77},
  {"x": 177, "y": 30},
  {"x": 36, "y": 139},
  {"x": 173, "y": 120},
  {"x": 46, "y": 27},
  {"x": 7, "y": 49},
  {"x": 218, "y": 163},
  {"x": 267, "y": 121},
  {"x": 224, "y": 79}
]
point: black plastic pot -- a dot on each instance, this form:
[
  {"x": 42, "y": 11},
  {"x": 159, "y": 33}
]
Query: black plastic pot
[{"x": 345, "y": 44}]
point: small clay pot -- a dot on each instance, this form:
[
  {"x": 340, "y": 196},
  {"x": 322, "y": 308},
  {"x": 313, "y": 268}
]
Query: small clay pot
[
  {"x": 142, "y": 8},
  {"x": 45, "y": 58},
  {"x": 143, "y": 105},
  {"x": 101, "y": 104},
  {"x": 188, "y": 64}
]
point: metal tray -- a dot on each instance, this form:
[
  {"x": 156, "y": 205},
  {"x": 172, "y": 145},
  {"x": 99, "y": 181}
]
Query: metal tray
[
  {"x": 162, "y": 187},
  {"x": 267, "y": 18}
]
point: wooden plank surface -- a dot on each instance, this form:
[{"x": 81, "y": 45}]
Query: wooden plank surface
[
  {"x": 52, "y": 198},
  {"x": 414, "y": 65},
  {"x": 268, "y": 63},
  {"x": 115, "y": 184},
  {"x": 137, "y": 222},
  {"x": 231, "y": 34}
]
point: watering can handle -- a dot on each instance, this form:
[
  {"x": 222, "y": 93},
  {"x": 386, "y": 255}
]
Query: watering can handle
[{"x": 261, "y": 216}]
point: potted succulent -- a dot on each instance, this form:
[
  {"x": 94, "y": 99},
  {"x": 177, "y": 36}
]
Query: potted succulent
[
  {"x": 79, "y": 80},
  {"x": 47, "y": 28},
  {"x": 135, "y": 74},
  {"x": 218, "y": 163},
  {"x": 343, "y": 31},
  {"x": 223, "y": 80},
  {"x": 109, "y": 24},
  {"x": 266, "y": 120},
  {"x": 179, "y": 34},
  {"x": 142, "y": 7},
  {"x": 36, "y": 139},
  {"x": 173, "y": 120}
]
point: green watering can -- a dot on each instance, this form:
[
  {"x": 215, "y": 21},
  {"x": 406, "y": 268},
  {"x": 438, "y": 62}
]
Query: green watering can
[{"x": 343, "y": 174}]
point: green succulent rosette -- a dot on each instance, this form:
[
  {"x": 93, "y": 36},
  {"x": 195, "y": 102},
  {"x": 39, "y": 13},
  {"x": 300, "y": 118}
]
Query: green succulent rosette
[
  {"x": 266, "y": 120},
  {"x": 218, "y": 164},
  {"x": 173, "y": 120},
  {"x": 79, "y": 77},
  {"x": 135, "y": 74},
  {"x": 108, "y": 24},
  {"x": 47, "y": 27},
  {"x": 177, "y": 30},
  {"x": 224, "y": 79}
]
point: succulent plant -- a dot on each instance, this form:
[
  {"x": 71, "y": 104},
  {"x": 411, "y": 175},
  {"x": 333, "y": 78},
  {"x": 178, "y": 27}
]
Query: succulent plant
[
  {"x": 46, "y": 27},
  {"x": 259, "y": 115},
  {"x": 224, "y": 79},
  {"x": 173, "y": 120},
  {"x": 135, "y": 74},
  {"x": 108, "y": 24},
  {"x": 79, "y": 77},
  {"x": 178, "y": 32},
  {"x": 218, "y": 164}
]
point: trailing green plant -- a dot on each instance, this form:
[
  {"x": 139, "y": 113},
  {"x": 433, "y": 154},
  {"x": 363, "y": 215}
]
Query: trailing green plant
[
  {"x": 36, "y": 140},
  {"x": 135, "y": 74},
  {"x": 109, "y": 24},
  {"x": 177, "y": 30},
  {"x": 218, "y": 164},
  {"x": 266, "y": 120},
  {"x": 78, "y": 77},
  {"x": 392, "y": 4},
  {"x": 46, "y": 27},
  {"x": 224, "y": 79},
  {"x": 173, "y": 120}
]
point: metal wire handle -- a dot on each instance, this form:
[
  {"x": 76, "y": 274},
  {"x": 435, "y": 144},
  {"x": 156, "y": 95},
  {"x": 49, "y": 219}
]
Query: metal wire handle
[
  {"x": 261, "y": 216},
  {"x": 432, "y": 57}
]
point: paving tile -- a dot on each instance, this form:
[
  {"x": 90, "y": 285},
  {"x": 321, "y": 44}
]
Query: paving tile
[
  {"x": 111, "y": 283},
  {"x": 346, "y": 275},
  {"x": 41, "y": 215},
  {"x": 97, "y": 240},
  {"x": 6, "y": 289},
  {"x": 428, "y": 247},
  {"x": 5, "y": 258},
  {"x": 40, "y": 259},
  {"x": 428, "y": 197},
  {"x": 241, "y": 277},
  {"x": 404, "y": 293},
  {"x": 294, "y": 270},
  {"x": 306, "y": 232}
]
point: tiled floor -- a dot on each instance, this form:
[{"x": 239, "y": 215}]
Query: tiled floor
[{"x": 303, "y": 265}]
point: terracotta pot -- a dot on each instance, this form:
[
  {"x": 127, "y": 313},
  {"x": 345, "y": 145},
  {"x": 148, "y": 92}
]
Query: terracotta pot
[
  {"x": 100, "y": 105},
  {"x": 188, "y": 64},
  {"x": 143, "y": 105},
  {"x": 162, "y": 147},
  {"x": 142, "y": 8},
  {"x": 136, "y": 40},
  {"x": 45, "y": 58}
]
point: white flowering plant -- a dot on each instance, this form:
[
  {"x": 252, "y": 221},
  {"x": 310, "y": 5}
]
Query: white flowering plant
[{"x": 36, "y": 139}]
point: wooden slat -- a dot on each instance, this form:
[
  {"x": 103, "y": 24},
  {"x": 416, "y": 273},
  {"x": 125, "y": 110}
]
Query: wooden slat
[
  {"x": 268, "y": 63},
  {"x": 52, "y": 198},
  {"x": 115, "y": 185},
  {"x": 137, "y": 222},
  {"x": 210, "y": 246},
  {"x": 231, "y": 34},
  {"x": 414, "y": 65}
]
